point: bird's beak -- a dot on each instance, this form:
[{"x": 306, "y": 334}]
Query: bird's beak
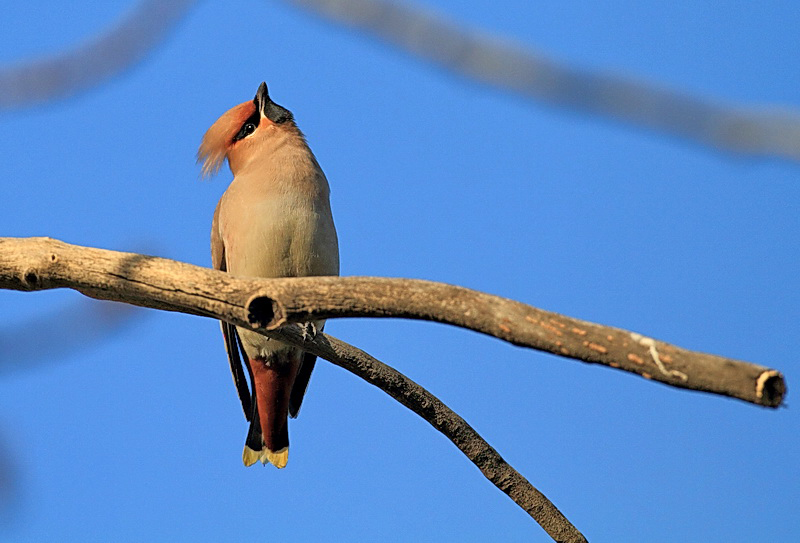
[
  {"x": 262, "y": 98},
  {"x": 269, "y": 109}
]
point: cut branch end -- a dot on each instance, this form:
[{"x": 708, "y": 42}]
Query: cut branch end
[
  {"x": 264, "y": 312},
  {"x": 771, "y": 388}
]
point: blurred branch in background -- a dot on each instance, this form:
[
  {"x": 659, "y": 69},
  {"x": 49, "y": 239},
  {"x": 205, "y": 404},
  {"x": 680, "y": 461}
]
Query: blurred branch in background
[
  {"x": 766, "y": 131},
  {"x": 107, "y": 55},
  {"x": 80, "y": 326},
  {"x": 10, "y": 487},
  {"x": 499, "y": 62},
  {"x": 77, "y": 327}
]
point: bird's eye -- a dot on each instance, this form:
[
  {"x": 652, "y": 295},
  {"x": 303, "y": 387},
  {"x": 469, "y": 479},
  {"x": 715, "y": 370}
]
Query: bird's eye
[{"x": 247, "y": 128}]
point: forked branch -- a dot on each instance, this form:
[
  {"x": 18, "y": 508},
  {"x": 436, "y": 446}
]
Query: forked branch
[
  {"x": 42, "y": 263},
  {"x": 271, "y": 306}
]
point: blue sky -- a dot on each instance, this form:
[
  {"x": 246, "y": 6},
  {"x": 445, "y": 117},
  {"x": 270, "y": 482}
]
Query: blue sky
[{"x": 139, "y": 437}]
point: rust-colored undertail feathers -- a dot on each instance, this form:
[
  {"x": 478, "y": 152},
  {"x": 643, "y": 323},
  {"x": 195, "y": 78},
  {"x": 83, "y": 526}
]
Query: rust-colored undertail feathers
[{"x": 273, "y": 379}]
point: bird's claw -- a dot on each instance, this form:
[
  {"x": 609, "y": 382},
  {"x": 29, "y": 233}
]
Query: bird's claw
[{"x": 309, "y": 330}]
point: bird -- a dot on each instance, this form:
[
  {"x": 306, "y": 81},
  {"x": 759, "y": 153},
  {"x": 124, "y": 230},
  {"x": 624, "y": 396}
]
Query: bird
[{"x": 274, "y": 220}]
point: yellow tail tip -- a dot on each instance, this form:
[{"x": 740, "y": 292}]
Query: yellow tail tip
[
  {"x": 277, "y": 459},
  {"x": 249, "y": 456},
  {"x": 266, "y": 456}
]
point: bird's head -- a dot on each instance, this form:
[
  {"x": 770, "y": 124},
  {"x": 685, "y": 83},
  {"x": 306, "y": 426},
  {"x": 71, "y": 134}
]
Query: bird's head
[{"x": 243, "y": 131}]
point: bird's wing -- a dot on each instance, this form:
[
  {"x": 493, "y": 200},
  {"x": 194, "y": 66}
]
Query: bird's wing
[
  {"x": 301, "y": 383},
  {"x": 229, "y": 333}
]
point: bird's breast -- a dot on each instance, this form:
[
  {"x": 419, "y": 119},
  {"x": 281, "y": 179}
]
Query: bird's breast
[{"x": 277, "y": 234}]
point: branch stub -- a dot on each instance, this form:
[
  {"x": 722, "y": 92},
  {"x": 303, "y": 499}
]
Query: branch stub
[{"x": 263, "y": 312}]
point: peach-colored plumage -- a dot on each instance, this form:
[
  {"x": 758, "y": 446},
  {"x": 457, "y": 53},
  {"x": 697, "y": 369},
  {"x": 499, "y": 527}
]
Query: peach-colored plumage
[
  {"x": 217, "y": 140},
  {"x": 273, "y": 221}
]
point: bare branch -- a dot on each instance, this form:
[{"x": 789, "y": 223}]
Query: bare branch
[
  {"x": 105, "y": 56},
  {"x": 306, "y": 298},
  {"x": 441, "y": 417},
  {"x": 41, "y": 263},
  {"x": 753, "y": 130}
]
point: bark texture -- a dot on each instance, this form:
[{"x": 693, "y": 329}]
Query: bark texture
[{"x": 307, "y": 298}]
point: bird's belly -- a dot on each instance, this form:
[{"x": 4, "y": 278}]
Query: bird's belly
[{"x": 274, "y": 238}]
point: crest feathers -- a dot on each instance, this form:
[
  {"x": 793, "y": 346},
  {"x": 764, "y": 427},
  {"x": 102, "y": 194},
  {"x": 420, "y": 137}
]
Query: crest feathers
[{"x": 218, "y": 139}]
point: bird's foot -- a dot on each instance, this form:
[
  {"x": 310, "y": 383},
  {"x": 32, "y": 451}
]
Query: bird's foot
[{"x": 309, "y": 330}]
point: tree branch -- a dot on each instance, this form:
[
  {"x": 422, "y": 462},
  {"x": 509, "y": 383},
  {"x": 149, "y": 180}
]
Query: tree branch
[
  {"x": 72, "y": 328},
  {"x": 306, "y": 298},
  {"x": 758, "y": 130},
  {"x": 106, "y": 55},
  {"x": 43, "y": 263},
  {"x": 37, "y": 263},
  {"x": 449, "y": 423},
  {"x": 501, "y": 63}
]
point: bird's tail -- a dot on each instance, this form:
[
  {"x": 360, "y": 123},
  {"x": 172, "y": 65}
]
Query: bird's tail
[
  {"x": 256, "y": 450},
  {"x": 268, "y": 437}
]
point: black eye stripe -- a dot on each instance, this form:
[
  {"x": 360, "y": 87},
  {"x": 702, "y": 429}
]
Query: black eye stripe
[{"x": 245, "y": 130}]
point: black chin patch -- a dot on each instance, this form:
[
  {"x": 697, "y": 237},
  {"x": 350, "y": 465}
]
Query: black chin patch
[{"x": 277, "y": 114}]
